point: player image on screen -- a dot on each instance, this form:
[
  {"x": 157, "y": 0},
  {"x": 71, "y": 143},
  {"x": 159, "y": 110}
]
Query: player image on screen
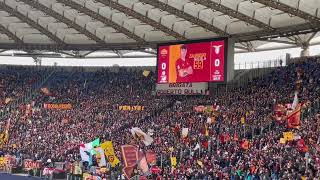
[{"x": 183, "y": 66}]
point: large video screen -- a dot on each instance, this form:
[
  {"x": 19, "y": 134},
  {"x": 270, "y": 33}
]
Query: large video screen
[{"x": 192, "y": 62}]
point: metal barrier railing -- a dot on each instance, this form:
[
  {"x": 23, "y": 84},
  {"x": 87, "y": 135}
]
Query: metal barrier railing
[{"x": 260, "y": 64}]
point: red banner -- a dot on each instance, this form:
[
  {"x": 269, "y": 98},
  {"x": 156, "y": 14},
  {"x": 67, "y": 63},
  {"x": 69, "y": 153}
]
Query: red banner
[
  {"x": 301, "y": 146},
  {"x": 151, "y": 157},
  {"x": 30, "y": 164},
  {"x": 129, "y": 154},
  {"x": 130, "y": 157},
  {"x": 192, "y": 62},
  {"x": 11, "y": 160}
]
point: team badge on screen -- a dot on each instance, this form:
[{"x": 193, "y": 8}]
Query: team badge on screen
[{"x": 217, "y": 49}]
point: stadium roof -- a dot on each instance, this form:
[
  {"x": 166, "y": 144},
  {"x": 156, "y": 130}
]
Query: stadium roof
[{"x": 77, "y": 28}]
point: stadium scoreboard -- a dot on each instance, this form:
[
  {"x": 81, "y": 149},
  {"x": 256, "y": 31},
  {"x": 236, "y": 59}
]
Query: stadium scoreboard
[{"x": 209, "y": 60}]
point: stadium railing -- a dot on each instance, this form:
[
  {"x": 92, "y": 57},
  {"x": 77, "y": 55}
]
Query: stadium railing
[{"x": 260, "y": 64}]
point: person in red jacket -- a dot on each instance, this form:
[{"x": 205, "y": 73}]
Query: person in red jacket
[{"x": 184, "y": 66}]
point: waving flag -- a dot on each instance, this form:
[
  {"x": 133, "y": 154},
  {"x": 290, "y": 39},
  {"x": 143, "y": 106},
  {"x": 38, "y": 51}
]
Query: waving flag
[
  {"x": 184, "y": 132},
  {"x": 142, "y": 136},
  {"x": 142, "y": 164},
  {"x": 45, "y": 91},
  {"x": 146, "y": 73},
  {"x": 87, "y": 150},
  {"x": 293, "y": 119},
  {"x": 84, "y": 153},
  {"x": 301, "y": 146},
  {"x": 295, "y": 101},
  {"x": 100, "y": 157}
]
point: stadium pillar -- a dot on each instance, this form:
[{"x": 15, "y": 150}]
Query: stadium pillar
[{"x": 305, "y": 50}]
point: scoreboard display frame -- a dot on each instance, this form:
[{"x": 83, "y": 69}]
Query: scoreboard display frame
[{"x": 226, "y": 61}]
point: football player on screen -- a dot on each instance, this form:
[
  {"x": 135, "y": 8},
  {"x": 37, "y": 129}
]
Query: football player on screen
[{"x": 183, "y": 66}]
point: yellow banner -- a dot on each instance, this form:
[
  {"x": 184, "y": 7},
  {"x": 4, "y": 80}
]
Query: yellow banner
[
  {"x": 282, "y": 140},
  {"x": 288, "y": 136},
  {"x": 173, "y": 161},
  {"x": 4, "y": 137},
  {"x": 131, "y": 108},
  {"x": 207, "y": 130},
  {"x": 109, "y": 152},
  {"x": 242, "y": 120},
  {"x": 86, "y": 176},
  {"x": 77, "y": 170},
  {"x": 3, "y": 162}
]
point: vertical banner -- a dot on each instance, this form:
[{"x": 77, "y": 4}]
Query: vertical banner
[
  {"x": 109, "y": 152},
  {"x": 173, "y": 161},
  {"x": 130, "y": 157}
]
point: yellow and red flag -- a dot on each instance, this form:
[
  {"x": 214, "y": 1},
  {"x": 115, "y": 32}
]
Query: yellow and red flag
[
  {"x": 293, "y": 119},
  {"x": 109, "y": 152}
]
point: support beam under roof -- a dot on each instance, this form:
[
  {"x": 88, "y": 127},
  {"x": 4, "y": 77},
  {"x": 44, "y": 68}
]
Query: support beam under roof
[
  {"x": 233, "y": 13},
  {"x": 142, "y": 18},
  {"x": 101, "y": 18},
  {"x": 61, "y": 18},
  {"x": 290, "y": 10},
  {"x": 186, "y": 16},
  {"x": 245, "y": 37},
  {"x": 11, "y": 35},
  {"x": 30, "y": 22}
]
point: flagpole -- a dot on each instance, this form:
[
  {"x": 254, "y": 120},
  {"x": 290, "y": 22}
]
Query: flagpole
[
  {"x": 307, "y": 157},
  {"x": 252, "y": 129},
  {"x": 161, "y": 160},
  {"x": 244, "y": 131}
]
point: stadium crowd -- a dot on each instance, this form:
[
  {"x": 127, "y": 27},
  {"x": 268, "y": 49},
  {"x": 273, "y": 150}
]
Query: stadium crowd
[
  {"x": 211, "y": 150},
  {"x": 15, "y": 82}
]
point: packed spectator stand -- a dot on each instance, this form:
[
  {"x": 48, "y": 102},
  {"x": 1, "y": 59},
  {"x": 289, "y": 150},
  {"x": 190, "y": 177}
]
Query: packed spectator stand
[{"x": 211, "y": 150}]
